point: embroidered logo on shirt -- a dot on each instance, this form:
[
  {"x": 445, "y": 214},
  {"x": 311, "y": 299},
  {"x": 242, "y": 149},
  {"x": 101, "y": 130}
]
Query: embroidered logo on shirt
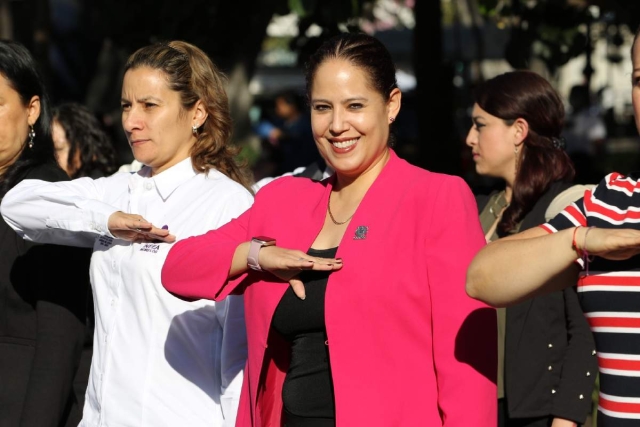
[
  {"x": 361, "y": 232},
  {"x": 105, "y": 241},
  {"x": 150, "y": 247}
]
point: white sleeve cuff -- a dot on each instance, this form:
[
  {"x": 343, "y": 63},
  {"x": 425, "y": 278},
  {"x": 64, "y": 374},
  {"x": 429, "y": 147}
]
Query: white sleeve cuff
[{"x": 94, "y": 218}]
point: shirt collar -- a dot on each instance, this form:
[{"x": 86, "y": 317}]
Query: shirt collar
[{"x": 166, "y": 181}]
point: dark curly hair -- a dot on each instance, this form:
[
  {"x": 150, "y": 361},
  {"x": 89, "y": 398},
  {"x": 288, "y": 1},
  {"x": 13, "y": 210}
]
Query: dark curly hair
[
  {"x": 88, "y": 142},
  {"x": 526, "y": 95},
  {"x": 19, "y": 68}
]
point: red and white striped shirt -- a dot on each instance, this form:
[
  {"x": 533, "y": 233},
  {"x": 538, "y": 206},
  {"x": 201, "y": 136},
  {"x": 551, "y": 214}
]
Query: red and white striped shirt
[{"x": 609, "y": 292}]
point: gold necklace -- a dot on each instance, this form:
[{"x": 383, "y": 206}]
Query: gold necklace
[{"x": 331, "y": 215}]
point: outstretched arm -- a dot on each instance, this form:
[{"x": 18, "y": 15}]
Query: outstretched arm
[
  {"x": 184, "y": 273},
  {"x": 541, "y": 262},
  {"x": 533, "y": 257},
  {"x": 66, "y": 213}
]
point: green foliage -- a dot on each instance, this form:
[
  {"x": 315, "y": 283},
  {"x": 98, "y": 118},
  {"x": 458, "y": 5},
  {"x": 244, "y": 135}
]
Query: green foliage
[
  {"x": 248, "y": 155},
  {"x": 332, "y": 16},
  {"x": 489, "y": 8},
  {"x": 551, "y": 30},
  {"x": 448, "y": 13},
  {"x": 297, "y": 7}
]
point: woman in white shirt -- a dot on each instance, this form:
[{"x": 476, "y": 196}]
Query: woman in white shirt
[{"x": 158, "y": 360}]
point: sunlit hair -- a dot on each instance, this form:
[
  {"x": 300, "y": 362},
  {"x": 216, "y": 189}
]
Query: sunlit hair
[
  {"x": 528, "y": 96},
  {"x": 361, "y": 50},
  {"x": 193, "y": 75},
  {"x": 19, "y": 68},
  {"x": 87, "y": 140}
]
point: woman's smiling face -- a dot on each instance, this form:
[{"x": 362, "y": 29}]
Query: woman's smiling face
[{"x": 350, "y": 119}]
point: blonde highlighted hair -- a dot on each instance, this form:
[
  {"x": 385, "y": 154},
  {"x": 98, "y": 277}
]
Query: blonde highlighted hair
[{"x": 195, "y": 77}]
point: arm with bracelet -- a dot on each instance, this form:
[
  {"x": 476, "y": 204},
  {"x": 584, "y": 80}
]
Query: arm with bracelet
[
  {"x": 544, "y": 258},
  {"x": 236, "y": 252}
]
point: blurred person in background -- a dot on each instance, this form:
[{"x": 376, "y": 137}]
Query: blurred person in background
[
  {"x": 290, "y": 133},
  {"x": 82, "y": 146},
  {"x": 585, "y": 133},
  {"x": 545, "y": 343},
  {"x": 82, "y": 149},
  {"x": 42, "y": 287}
]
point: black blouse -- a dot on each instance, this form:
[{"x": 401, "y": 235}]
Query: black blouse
[
  {"x": 43, "y": 291},
  {"x": 307, "y": 392}
]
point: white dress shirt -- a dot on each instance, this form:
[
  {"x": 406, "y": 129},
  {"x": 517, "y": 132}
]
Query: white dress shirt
[{"x": 157, "y": 360}]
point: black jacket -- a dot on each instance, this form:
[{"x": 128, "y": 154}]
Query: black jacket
[
  {"x": 550, "y": 364},
  {"x": 43, "y": 292}
]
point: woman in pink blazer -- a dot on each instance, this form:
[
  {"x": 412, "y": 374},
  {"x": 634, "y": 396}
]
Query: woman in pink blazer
[{"x": 376, "y": 328}]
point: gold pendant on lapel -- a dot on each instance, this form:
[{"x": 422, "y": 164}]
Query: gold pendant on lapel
[{"x": 361, "y": 232}]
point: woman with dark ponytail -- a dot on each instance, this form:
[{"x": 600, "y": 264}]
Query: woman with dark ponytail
[
  {"x": 43, "y": 288},
  {"x": 545, "y": 346},
  {"x": 158, "y": 360},
  {"x": 593, "y": 244}
]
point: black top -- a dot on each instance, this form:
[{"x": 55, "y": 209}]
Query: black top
[
  {"x": 308, "y": 388},
  {"x": 43, "y": 292}
]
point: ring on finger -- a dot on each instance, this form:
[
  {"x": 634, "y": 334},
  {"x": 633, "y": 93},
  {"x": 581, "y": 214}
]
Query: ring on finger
[{"x": 138, "y": 230}]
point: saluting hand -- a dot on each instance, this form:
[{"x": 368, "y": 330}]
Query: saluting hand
[
  {"x": 135, "y": 228},
  {"x": 287, "y": 263}
]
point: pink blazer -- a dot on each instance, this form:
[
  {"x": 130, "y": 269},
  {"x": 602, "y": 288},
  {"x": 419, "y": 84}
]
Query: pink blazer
[{"x": 408, "y": 347}]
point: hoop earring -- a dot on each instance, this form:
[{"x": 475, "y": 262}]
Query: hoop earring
[
  {"x": 32, "y": 136},
  {"x": 194, "y": 130}
]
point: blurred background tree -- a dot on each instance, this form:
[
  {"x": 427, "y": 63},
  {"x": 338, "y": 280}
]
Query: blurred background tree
[{"x": 82, "y": 45}]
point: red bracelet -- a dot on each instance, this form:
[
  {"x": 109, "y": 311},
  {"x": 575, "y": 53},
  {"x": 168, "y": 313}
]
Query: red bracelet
[{"x": 574, "y": 244}]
